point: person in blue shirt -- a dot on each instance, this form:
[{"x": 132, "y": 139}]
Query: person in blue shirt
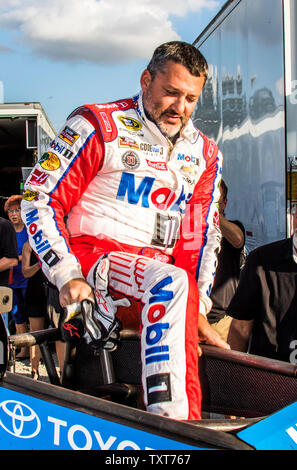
[{"x": 17, "y": 280}]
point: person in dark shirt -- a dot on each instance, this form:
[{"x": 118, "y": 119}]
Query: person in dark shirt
[
  {"x": 35, "y": 301},
  {"x": 8, "y": 255},
  {"x": 264, "y": 305},
  {"x": 230, "y": 260},
  {"x": 8, "y": 250}
]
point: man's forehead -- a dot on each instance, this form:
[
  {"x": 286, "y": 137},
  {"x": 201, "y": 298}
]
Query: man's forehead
[
  {"x": 178, "y": 76},
  {"x": 171, "y": 65}
]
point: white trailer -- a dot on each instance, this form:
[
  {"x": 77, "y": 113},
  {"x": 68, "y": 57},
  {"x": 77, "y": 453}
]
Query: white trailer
[
  {"x": 249, "y": 108},
  {"x": 25, "y": 134}
]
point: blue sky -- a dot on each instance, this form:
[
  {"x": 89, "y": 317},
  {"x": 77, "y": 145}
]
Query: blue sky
[{"x": 64, "y": 53}]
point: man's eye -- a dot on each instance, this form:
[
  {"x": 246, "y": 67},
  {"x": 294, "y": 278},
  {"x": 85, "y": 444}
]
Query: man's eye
[{"x": 171, "y": 93}]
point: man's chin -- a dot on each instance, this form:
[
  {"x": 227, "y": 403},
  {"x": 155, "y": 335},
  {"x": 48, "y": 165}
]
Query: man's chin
[{"x": 170, "y": 131}]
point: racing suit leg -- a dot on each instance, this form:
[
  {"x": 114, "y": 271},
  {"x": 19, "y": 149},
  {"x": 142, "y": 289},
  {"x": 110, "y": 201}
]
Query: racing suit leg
[{"x": 169, "y": 331}]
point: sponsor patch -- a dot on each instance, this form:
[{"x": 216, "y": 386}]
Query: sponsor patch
[
  {"x": 216, "y": 219},
  {"x": 118, "y": 104},
  {"x": 41, "y": 244},
  {"x": 211, "y": 149},
  {"x": 38, "y": 177},
  {"x": 158, "y": 388},
  {"x": 189, "y": 169},
  {"x": 106, "y": 121},
  {"x": 49, "y": 161},
  {"x": 131, "y": 160},
  {"x": 30, "y": 195},
  {"x": 162, "y": 198},
  {"x": 69, "y": 135},
  {"x": 188, "y": 180},
  {"x": 130, "y": 123},
  {"x": 51, "y": 258},
  {"x": 61, "y": 149},
  {"x": 188, "y": 158},
  {"x": 161, "y": 166},
  {"x": 125, "y": 142},
  {"x": 68, "y": 154},
  {"x": 154, "y": 253},
  {"x": 56, "y": 147},
  {"x": 151, "y": 149}
]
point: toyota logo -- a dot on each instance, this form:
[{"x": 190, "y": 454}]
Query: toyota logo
[{"x": 19, "y": 419}]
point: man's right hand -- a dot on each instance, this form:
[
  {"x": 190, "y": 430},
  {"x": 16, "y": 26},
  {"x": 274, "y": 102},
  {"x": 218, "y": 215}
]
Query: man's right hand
[
  {"x": 102, "y": 328},
  {"x": 75, "y": 290}
]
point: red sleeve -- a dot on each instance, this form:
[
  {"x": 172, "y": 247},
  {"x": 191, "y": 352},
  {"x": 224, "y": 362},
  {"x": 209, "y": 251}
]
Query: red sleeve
[
  {"x": 58, "y": 180},
  {"x": 197, "y": 248}
]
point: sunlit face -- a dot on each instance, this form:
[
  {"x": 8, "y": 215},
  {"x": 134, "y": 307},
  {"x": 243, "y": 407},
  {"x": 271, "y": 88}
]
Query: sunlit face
[
  {"x": 14, "y": 214},
  {"x": 170, "y": 98}
]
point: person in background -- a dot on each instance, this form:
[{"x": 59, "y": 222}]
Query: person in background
[
  {"x": 35, "y": 301},
  {"x": 8, "y": 255},
  {"x": 264, "y": 305},
  {"x": 17, "y": 281},
  {"x": 55, "y": 314},
  {"x": 230, "y": 261}
]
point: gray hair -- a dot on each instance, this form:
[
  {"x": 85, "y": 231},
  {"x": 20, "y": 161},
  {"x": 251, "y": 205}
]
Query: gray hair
[{"x": 181, "y": 53}]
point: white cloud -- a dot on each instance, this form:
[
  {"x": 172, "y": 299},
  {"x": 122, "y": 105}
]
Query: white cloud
[{"x": 99, "y": 31}]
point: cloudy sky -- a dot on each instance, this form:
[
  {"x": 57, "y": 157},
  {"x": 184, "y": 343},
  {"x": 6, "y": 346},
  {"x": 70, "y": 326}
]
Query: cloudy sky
[{"x": 64, "y": 53}]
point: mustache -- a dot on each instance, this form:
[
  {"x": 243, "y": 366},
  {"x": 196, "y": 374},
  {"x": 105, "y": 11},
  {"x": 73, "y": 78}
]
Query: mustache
[{"x": 172, "y": 113}]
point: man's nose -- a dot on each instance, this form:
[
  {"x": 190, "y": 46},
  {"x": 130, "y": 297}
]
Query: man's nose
[{"x": 179, "y": 105}]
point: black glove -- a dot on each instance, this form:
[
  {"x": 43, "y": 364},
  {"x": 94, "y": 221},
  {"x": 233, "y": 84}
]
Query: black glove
[
  {"x": 102, "y": 316},
  {"x": 73, "y": 331},
  {"x": 83, "y": 321},
  {"x": 98, "y": 334},
  {"x": 102, "y": 327}
]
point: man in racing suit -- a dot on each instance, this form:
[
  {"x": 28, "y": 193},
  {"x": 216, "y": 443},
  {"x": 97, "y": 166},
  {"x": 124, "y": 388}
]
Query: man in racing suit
[{"x": 139, "y": 185}]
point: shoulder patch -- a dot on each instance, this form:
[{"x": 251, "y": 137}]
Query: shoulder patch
[
  {"x": 210, "y": 148},
  {"x": 103, "y": 114}
]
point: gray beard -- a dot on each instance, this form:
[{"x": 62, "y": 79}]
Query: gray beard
[{"x": 173, "y": 138}]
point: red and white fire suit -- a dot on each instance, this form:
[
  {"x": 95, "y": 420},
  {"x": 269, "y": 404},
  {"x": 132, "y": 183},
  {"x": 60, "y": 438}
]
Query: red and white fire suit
[{"x": 127, "y": 191}]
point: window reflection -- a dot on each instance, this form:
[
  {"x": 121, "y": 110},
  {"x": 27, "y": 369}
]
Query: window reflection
[{"x": 242, "y": 109}]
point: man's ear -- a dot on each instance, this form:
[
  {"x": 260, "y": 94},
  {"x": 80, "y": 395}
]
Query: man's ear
[{"x": 145, "y": 80}]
